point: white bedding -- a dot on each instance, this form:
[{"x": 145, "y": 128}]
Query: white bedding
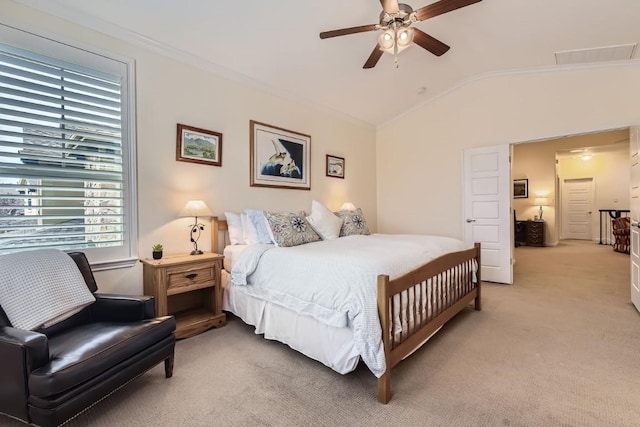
[
  {"x": 231, "y": 254},
  {"x": 335, "y": 281}
]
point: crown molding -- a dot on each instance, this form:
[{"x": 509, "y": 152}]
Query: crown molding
[{"x": 61, "y": 11}]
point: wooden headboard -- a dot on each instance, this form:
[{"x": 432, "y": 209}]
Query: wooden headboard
[{"x": 219, "y": 226}]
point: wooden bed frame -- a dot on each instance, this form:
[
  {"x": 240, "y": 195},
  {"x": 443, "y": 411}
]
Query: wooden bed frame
[{"x": 453, "y": 281}]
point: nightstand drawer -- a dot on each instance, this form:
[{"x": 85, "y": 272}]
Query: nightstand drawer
[{"x": 195, "y": 277}]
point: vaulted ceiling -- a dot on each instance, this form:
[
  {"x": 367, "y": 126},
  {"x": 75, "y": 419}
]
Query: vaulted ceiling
[{"x": 275, "y": 44}]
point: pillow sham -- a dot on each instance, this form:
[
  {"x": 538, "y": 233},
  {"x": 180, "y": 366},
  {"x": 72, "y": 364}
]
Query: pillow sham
[
  {"x": 353, "y": 222},
  {"x": 259, "y": 222},
  {"x": 324, "y": 222},
  {"x": 290, "y": 229},
  {"x": 234, "y": 224},
  {"x": 249, "y": 232}
]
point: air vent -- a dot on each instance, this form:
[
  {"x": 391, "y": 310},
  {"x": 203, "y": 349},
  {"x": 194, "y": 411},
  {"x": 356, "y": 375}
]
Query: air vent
[{"x": 596, "y": 54}]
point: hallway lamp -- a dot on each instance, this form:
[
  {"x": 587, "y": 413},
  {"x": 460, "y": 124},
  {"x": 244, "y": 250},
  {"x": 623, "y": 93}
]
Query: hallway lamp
[
  {"x": 195, "y": 208},
  {"x": 540, "y": 201}
]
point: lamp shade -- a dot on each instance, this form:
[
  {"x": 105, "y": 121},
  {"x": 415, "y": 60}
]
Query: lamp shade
[
  {"x": 195, "y": 208},
  {"x": 347, "y": 206},
  {"x": 541, "y": 201}
]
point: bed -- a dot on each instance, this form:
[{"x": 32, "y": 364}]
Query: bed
[{"x": 407, "y": 309}]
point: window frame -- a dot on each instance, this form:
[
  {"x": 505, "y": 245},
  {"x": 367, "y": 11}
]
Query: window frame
[{"x": 72, "y": 51}]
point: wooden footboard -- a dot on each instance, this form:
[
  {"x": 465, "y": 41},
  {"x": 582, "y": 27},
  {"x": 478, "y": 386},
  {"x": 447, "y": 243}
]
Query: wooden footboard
[{"x": 420, "y": 302}]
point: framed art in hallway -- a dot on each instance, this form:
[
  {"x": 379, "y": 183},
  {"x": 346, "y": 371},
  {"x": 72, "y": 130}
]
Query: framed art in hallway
[
  {"x": 279, "y": 158},
  {"x": 520, "y": 188},
  {"x": 335, "y": 166},
  {"x": 197, "y": 145}
]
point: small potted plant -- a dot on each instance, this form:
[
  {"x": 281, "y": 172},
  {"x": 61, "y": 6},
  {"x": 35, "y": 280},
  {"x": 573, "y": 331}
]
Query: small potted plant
[{"x": 157, "y": 251}]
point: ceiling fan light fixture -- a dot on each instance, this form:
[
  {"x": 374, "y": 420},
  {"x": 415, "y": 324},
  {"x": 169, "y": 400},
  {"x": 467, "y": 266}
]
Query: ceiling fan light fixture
[
  {"x": 386, "y": 41},
  {"x": 405, "y": 38},
  {"x": 395, "y": 41}
]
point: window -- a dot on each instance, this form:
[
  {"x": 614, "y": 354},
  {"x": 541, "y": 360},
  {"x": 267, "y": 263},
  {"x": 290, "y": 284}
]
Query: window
[{"x": 66, "y": 150}]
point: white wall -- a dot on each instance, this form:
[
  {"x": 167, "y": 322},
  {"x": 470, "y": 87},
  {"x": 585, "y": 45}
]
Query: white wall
[
  {"x": 170, "y": 92},
  {"x": 419, "y": 156}
]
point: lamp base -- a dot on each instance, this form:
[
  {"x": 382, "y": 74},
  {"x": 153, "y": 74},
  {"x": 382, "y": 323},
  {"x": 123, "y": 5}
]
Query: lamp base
[{"x": 197, "y": 252}]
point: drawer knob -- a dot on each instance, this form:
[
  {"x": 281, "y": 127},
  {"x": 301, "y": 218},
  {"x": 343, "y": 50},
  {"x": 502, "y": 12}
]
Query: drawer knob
[{"x": 191, "y": 276}]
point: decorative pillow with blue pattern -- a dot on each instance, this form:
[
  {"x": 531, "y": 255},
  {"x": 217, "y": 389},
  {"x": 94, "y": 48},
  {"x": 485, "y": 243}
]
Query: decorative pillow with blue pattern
[
  {"x": 353, "y": 222},
  {"x": 290, "y": 229}
]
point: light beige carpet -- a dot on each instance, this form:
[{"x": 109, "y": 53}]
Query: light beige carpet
[{"x": 561, "y": 347}]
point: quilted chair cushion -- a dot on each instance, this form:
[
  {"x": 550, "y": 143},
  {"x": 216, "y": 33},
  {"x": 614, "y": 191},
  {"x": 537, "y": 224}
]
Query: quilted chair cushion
[{"x": 41, "y": 287}]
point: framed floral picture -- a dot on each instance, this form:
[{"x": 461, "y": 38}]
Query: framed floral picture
[
  {"x": 197, "y": 145},
  {"x": 279, "y": 158},
  {"x": 335, "y": 166}
]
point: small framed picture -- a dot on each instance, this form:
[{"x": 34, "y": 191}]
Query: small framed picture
[
  {"x": 197, "y": 145},
  {"x": 335, "y": 166},
  {"x": 520, "y": 188}
]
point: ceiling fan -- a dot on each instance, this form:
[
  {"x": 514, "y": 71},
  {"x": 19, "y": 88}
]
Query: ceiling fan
[{"x": 398, "y": 34}]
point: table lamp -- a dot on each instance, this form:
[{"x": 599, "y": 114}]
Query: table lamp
[
  {"x": 540, "y": 201},
  {"x": 195, "y": 208},
  {"x": 347, "y": 206}
]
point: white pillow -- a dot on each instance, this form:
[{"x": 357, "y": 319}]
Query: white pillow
[
  {"x": 324, "y": 222},
  {"x": 259, "y": 221},
  {"x": 249, "y": 232},
  {"x": 234, "y": 224}
]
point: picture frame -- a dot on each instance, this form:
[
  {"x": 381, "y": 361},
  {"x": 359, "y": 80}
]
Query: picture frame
[
  {"x": 335, "y": 166},
  {"x": 196, "y": 145},
  {"x": 520, "y": 188},
  {"x": 279, "y": 158}
]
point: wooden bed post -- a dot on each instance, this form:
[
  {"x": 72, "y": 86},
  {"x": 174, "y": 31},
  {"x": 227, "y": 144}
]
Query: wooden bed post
[
  {"x": 214, "y": 234},
  {"x": 384, "y": 382},
  {"x": 478, "y": 303}
]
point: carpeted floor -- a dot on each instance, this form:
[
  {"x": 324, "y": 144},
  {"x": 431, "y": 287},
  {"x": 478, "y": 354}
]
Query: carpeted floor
[{"x": 560, "y": 347}]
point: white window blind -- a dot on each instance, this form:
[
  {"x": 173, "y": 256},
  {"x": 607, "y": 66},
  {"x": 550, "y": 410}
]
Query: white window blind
[{"x": 63, "y": 180}]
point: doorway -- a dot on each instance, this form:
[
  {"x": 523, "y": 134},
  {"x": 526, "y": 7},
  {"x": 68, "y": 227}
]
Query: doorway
[{"x": 547, "y": 164}]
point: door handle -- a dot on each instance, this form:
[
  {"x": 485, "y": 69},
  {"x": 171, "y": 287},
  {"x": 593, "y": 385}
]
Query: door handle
[
  {"x": 471, "y": 220},
  {"x": 635, "y": 224}
]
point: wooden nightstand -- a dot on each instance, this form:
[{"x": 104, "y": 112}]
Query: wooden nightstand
[{"x": 188, "y": 287}]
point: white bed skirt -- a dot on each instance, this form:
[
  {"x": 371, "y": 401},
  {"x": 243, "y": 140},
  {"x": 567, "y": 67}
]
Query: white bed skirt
[{"x": 329, "y": 345}]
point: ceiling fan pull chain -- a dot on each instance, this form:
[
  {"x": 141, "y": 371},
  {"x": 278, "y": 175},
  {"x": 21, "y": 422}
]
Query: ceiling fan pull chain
[{"x": 395, "y": 47}]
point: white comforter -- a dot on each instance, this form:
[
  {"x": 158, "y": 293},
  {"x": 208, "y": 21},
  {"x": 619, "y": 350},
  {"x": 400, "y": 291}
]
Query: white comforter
[{"x": 334, "y": 281}]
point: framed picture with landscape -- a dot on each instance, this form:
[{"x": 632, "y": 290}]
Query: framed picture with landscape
[
  {"x": 335, "y": 166},
  {"x": 520, "y": 188},
  {"x": 197, "y": 145}
]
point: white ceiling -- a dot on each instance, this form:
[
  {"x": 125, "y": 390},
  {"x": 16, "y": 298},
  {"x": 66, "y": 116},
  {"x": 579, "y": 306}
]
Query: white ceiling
[{"x": 275, "y": 44}]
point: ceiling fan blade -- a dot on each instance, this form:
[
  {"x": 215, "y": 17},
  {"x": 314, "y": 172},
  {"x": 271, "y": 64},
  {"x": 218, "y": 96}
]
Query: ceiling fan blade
[
  {"x": 373, "y": 58},
  {"x": 443, "y": 6},
  {"x": 346, "y": 31},
  {"x": 390, "y": 6},
  {"x": 427, "y": 42}
]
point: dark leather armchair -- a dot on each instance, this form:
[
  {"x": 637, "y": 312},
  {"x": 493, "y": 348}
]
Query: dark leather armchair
[{"x": 50, "y": 375}]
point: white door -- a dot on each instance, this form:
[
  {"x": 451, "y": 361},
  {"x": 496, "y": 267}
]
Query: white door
[
  {"x": 577, "y": 197},
  {"x": 634, "y": 143},
  {"x": 487, "y": 209}
]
